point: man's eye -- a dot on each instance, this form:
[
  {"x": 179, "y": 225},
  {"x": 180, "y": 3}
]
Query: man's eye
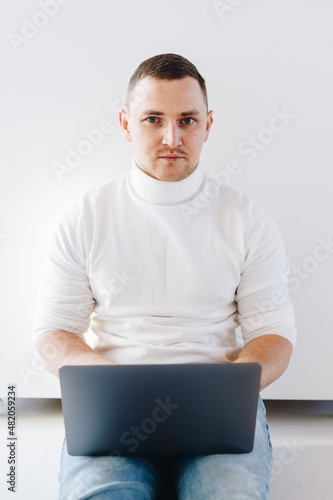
[
  {"x": 188, "y": 121},
  {"x": 152, "y": 119}
]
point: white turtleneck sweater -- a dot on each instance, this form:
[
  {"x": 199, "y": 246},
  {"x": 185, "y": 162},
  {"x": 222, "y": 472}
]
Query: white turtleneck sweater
[{"x": 164, "y": 272}]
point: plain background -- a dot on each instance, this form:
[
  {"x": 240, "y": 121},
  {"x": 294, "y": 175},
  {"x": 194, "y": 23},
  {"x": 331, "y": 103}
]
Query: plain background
[{"x": 69, "y": 71}]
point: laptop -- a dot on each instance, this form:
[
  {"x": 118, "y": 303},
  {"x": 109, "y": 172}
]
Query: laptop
[{"x": 179, "y": 409}]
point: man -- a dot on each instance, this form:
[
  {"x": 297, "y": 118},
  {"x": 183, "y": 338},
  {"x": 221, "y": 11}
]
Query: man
[{"x": 163, "y": 263}]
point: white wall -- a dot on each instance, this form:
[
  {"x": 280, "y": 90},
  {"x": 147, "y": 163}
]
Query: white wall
[{"x": 259, "y": 58}]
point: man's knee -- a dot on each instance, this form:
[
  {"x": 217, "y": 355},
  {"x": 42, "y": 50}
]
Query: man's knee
[
  {"x": 124, "y": 493},
  {"x": 125, "y": 479},
  {"x": 216, "y": 477}
]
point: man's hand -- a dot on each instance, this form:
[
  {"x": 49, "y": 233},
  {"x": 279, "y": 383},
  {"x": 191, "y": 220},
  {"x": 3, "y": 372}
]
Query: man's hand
[
  {"x": 57, "y": 348},
  {"x": 272, "y": 352}
]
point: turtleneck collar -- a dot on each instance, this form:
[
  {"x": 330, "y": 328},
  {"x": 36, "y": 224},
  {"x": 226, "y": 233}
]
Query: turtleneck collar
[{"x": 159, "y": 192}]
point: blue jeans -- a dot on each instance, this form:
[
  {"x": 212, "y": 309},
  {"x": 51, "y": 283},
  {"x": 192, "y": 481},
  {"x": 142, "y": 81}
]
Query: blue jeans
[{"x": 212, "y": 477}]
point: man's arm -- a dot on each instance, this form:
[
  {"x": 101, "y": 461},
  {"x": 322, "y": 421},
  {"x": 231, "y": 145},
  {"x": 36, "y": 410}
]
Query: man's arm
[
  {"x": 273, "y": 352},
  {"x": 57, "y": 348}
]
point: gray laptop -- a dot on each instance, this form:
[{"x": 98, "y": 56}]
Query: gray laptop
[{"x": 182, "y": 409}]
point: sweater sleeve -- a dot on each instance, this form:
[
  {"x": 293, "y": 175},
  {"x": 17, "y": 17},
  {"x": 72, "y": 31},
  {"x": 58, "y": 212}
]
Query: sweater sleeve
[
  {"x": 262, "y": 297},
  {"x": 65, "y": 300}
]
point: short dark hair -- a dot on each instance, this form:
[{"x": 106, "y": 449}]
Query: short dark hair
[{"x": 166, "y": 67}]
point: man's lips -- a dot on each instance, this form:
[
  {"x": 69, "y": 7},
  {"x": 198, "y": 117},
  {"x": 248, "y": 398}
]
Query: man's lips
[{"x": 171, "y": 157}]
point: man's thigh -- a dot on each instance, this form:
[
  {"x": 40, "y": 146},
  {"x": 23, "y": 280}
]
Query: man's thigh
[
  {"x": 125, "y": 478},
  {"x": 239, "y": 476}
]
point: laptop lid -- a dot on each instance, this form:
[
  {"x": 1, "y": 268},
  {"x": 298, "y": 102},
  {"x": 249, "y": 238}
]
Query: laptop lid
[{"x": 182, "y": 409}]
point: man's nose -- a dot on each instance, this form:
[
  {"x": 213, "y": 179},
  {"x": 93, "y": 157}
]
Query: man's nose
[{"x": 172, "y": 136}]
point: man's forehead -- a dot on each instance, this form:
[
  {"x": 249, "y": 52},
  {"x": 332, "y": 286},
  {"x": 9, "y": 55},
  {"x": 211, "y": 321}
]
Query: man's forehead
[{"x": 152, "y": 94}]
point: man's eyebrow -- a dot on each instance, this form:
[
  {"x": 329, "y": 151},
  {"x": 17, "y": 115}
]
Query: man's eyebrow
[
  {"x": 160, "y": 113},
  {"x": 152, "y": 112},
  {"x": 191, "y": 112}
]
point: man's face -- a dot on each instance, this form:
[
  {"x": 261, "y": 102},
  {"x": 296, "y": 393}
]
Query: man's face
[{"x": 168, "y": 123}]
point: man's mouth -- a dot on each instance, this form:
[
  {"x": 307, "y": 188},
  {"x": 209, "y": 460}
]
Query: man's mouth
[{"x": 171, "y": 157}]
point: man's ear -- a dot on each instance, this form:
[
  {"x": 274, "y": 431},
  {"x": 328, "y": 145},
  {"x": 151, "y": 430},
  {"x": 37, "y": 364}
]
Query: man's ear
[
  {"x": 209, "y": 123},
  {"x": 124, "y": 124}
]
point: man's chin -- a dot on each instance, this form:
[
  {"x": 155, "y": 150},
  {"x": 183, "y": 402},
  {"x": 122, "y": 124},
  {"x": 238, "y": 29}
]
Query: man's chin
[
  {"x": 173, "y": 172},
  {"x": 174, "y": 176},
  {"x": 168, "y": 171}
]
